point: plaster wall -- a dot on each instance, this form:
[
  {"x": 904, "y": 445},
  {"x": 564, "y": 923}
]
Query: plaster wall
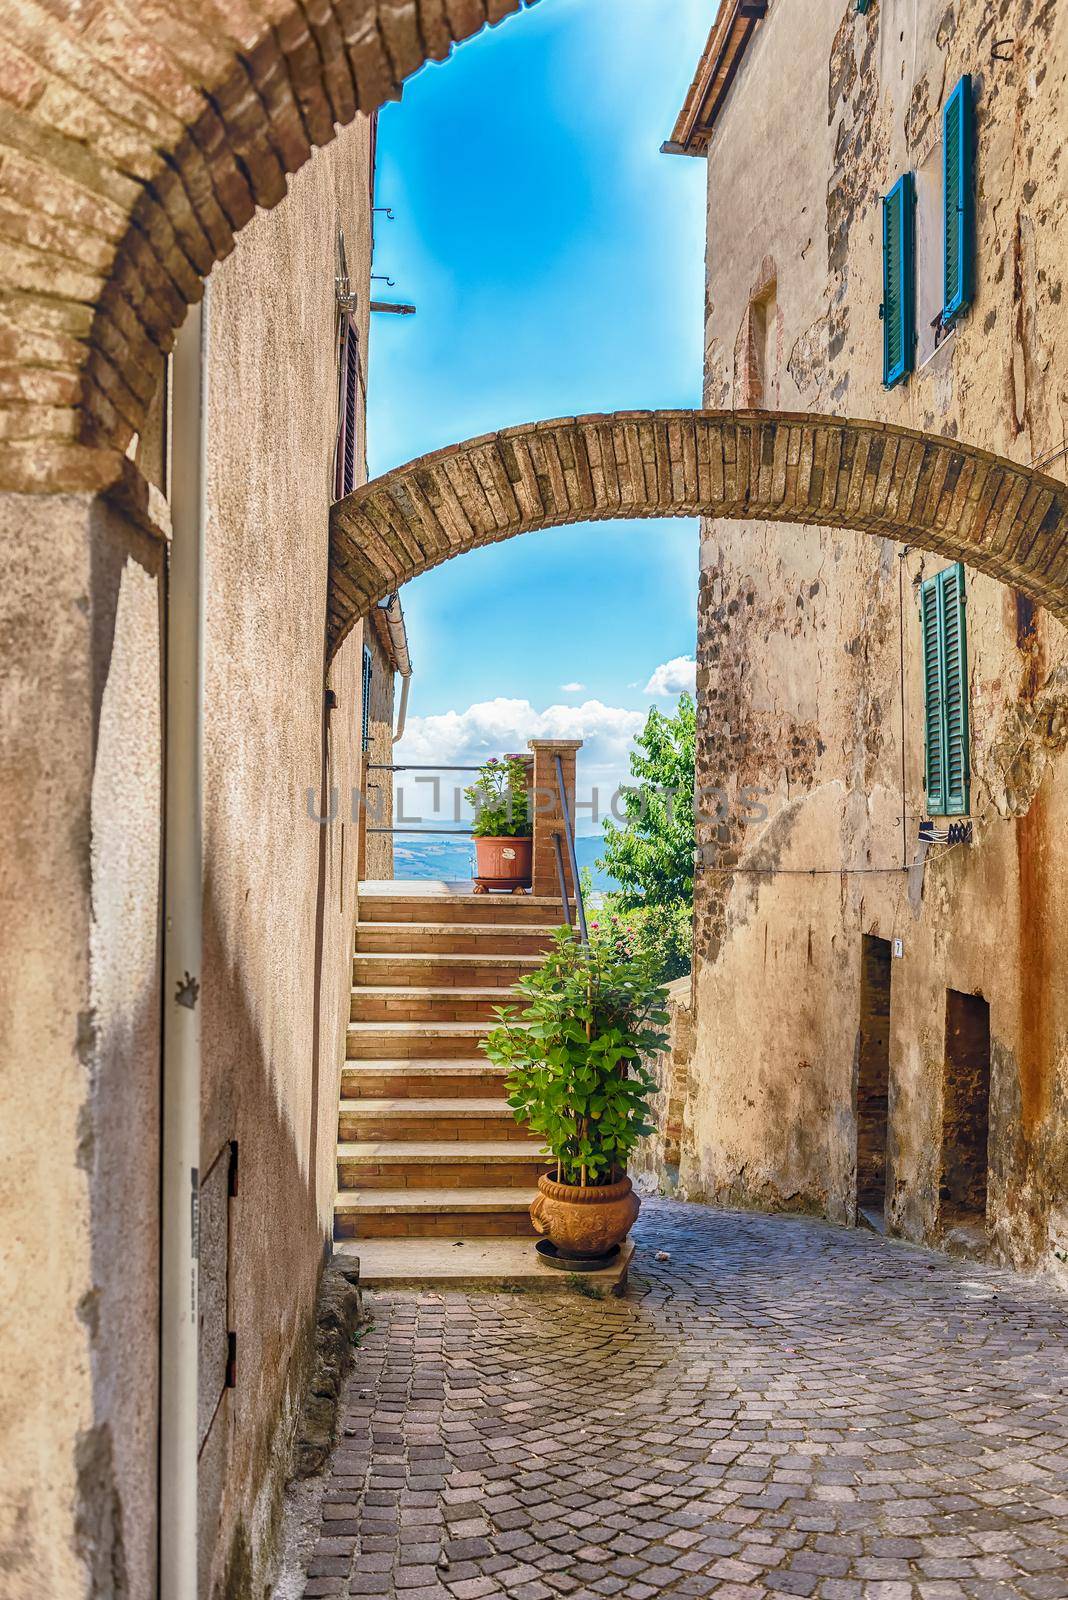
[
  {"x": 80, "y": 730},
  {"x": 809, "y": 670},
  {"x": 376, "y": 861},
  {"x": 82, "y": 648},
  {"x": 279, "y": 894}
]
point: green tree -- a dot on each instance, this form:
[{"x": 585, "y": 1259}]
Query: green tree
[{"x": 651, "y": 854}]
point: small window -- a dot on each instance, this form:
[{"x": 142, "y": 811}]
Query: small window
[
  {"x": 348, "y": 410},
  {"x": 958, "y": 145},
  {"x": 365, "y": 700},
  {"x": 898, "y": 309},
  {"x": 945, "y": 677}
]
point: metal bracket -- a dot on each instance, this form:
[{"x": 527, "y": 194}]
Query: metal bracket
[{"x": 347, "y": 299}]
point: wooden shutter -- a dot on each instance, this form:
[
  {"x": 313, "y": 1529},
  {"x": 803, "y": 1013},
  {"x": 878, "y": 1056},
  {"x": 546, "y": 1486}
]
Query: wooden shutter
[
  {"x": 945, "y": 682},
  {"x": 899, "y": 281},
  {"x": 932, "y": 689},
  {"x": 348, "y": 409},
  {"x": 955, "y": 692},
  {"x": 958, "y": 199},
  {"x": 365, "y": 700}
]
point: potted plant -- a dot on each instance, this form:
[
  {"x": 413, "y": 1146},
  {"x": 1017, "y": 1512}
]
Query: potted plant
[
  {"x": 503, "y": 845},
  {"x": 573, "y": 1055}
]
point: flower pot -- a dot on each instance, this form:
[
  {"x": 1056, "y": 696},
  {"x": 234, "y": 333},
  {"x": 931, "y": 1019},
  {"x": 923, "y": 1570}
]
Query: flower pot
[
  {"x": 587, "y": 1221},
  {"x": 503, "y": 863}
]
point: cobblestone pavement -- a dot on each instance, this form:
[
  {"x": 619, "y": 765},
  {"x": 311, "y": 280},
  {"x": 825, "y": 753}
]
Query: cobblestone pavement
[{"x": 783, "y": 1408}]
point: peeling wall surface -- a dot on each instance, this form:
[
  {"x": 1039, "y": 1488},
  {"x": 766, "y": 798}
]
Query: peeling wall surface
[
  {"x": 82, "y": 613},
  {"x": 809, "y": 658}
]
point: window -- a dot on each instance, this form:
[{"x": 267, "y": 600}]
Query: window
[
  {"x": 365, "y": 700},
  {"x": 945, "y": 677},
  {"x": 764, "y": 355},
  {"x": 898, "y": 309},
  {"x": 958, "y": 222},
  {"x": 348, "y": 410}
]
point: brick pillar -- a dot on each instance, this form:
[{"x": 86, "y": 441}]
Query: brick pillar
[{"x": 548, "y": 816}]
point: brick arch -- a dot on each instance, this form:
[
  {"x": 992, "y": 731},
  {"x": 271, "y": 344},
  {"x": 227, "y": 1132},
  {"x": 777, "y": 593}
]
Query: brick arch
[
  {"x": 960, "y": 502},
  {"x": 136, "y": 140}
]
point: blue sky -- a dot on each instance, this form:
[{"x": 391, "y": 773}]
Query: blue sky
[{"x": 556, "y": 260}]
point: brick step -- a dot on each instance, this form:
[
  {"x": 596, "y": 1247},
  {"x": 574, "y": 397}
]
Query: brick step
[
  {"x": 441, "y": 969},
  {"x": 477, "y": 1264},
  {"x": 375, "y": 1041},
  {"x": 405, "y": 1119},
  {"x": 450, "y": 938},
  {"x": 422, "y": 1079},
  {"x": 434, "y": 1214},
  {"x": 397, "y": 1003},
  {"x": 439, "y": 1164},
  {"x": 543, "y": 911}
]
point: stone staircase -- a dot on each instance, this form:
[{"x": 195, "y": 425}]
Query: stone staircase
[{"x": 434, "y": 1176}]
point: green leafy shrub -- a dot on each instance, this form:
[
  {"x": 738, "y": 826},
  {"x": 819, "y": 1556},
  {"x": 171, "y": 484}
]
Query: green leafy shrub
[
  {"x": 573, "y": 1053},
  {"x": 501, "y": 799},
  {"x": 651, "y": 856}
]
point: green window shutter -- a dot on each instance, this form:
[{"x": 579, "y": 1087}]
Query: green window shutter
[
  {"x": 932, "y": 689},
  {"x": 945, "y": 682},
  {"x": 955, "y": 692},
  {"x": 958, "y": 198},
  {"x": 898, "y": 309}
]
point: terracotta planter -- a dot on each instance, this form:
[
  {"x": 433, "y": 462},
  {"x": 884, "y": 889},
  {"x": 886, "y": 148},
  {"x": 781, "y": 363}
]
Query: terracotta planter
[
  {"x": 584, "y": 1222},
  {"x": 503, "y": 863}
]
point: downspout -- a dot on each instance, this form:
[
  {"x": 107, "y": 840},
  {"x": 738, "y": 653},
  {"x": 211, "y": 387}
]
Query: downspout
[
  {"x": 393, "y": 617},
  {"x": 182, "y": 971}
]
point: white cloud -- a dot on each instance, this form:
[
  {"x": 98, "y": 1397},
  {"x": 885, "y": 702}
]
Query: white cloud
[
  {"x": 572, "y": 688},
  {"x": 673, "y": 677},
  {"x": 500, "y": 727}
]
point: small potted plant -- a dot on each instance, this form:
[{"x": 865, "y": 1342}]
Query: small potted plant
[
  {"x": 573, "y": 1055},
  {"x": 503, "y": 845}
]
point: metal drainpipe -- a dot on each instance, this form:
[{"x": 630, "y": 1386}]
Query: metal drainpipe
[{"x": 182, "y": 973}]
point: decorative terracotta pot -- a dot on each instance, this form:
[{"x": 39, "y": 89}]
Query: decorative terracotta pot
[
  {"x": 584, "y": 1221},
  {"x": 504, "y": 863}
]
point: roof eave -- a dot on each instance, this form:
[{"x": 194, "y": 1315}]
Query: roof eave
[{"x": 716, "y": 71}]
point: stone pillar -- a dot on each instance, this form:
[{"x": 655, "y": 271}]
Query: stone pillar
[{"x": 548, "y": 815}]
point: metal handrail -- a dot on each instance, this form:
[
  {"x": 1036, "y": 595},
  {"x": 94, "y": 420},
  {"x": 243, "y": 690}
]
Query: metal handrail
[
  {"x": 569, "y": 837},
  {"x": 432, "y": 833},
  {"x": 561, "y": 878},
  {"x": 407, "y": 766}
]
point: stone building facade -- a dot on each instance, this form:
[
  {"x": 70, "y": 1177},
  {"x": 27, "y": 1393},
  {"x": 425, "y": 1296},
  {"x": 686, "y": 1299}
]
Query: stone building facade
[
  {"x": 937, "y": 1065},
  {"x": 82, "y": 633}
]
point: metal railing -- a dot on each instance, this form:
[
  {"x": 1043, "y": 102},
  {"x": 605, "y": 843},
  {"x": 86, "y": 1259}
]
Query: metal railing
[
  {"x": 568, "y": 832},
  {"x": 569, "y": 838},
  {"x": 431, "y": 833}
]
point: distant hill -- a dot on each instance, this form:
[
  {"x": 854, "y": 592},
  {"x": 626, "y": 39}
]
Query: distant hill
[{"x": 455, "y": 858}]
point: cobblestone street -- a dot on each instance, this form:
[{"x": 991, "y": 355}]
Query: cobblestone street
[{"x": 782, "y": 1408}]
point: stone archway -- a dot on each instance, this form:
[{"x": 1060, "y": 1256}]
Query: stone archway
[
  {"x": 963, "y": 503},
  {"x": 136, "y": 142}
]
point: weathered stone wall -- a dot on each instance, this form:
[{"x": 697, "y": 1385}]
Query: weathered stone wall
[
  {"x": 654, "y": 1165},
  {"x": 803, "y": 635}
]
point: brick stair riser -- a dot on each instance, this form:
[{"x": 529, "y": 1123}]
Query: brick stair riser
[
  {"x": 513, "y": 909},
  {"x": 437, "y": 1175},
  {"x": 430, "y": 1047},
  {"x": 372, "y": 939},
  {"x": 409, "y": 1007},
  {"x": 469, "y": 974},
  {"x": 363, "y": 1082},
  {"x": 354, "y": 1126},
  {"x": 434, "y": 1225}
]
